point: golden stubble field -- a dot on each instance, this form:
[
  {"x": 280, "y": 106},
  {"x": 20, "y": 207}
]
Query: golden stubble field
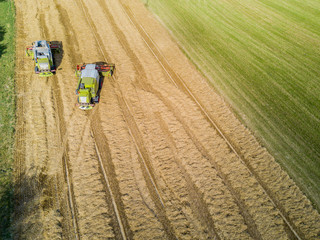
[{"x": 161, "y": 156}]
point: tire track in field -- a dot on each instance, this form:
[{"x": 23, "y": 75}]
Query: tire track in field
[
  {"x": 72, "y": 184},
  {"x": 53, "y": 101},
  {"x": 247, "y": 211},
  {"x": 145, "y": 165},
  {"x": 139, "y": 208},
  {"x": 24, "y": 190},
  {"x": 36, "y": 154},
  {"x": 196, "y": 197},
  {"x": 120, "y": 223},
  {"x": 71, "y": 227},
  {"x": 92, "y": 211},
  {"x": 283, "y": 190},
  {"x": 130, "y": 120},
  {"x": 287, "y": 196},
  {"x": 139, "y": 69},
  {"x": 66, "y": 163},
  {"x": 71, "y": 40},
  {"x": 112, "y": 186},
  {"x": 147, "y": 168},
  {"x": 182, "y": 85},
  {"x": 180, "y": 223},
  {"x": 163, "y": 219},
  {"x": 243, "y": 209},
  {"x": 221, "y": 205},
  {"x": 166, "y": 190},
  {"x": 55, "y": 203},
  {"x": 108, "y": 192}
]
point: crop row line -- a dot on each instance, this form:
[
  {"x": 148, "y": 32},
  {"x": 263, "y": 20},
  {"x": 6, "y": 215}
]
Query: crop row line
[
  {"x": 118, "y": 215},
  {"x": 179, "y": 82},
  {"x": 62, "y": 135},
  {"x": 134, "y": 133}
]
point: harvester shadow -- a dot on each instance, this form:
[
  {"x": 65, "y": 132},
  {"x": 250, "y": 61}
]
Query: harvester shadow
[
  {"x": 100, "y": 87},
  {"x": 58, "y": 56},
  {"x": 102, "y": 79},
  {"x": 3, "y": 47}
]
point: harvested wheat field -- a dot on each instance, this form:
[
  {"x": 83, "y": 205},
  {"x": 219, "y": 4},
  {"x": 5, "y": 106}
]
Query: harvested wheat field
[{"x": 160, "y": 157}]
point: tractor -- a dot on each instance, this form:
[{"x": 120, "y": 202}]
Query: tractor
[
  {"x": 42, "y": 53},
  {"x": 90, "y": 82}
]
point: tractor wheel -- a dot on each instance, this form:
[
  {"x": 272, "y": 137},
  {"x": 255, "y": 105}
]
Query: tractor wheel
[{"x": 96, "y": 99}]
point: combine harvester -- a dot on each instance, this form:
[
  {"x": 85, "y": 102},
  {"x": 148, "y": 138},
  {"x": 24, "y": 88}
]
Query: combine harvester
[
  {"x": 41, "y": 52},
  {"x": 90, "y": 82}
]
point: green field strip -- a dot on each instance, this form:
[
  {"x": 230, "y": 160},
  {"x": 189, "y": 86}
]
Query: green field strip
[
  {"x": 7, "y": 114},
  {"x": 263, "y": 57}
]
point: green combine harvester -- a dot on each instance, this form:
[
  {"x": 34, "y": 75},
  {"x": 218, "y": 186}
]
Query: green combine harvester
[
  {"x": 41, "y": 52},
  {"x": 90, "y": 81}
]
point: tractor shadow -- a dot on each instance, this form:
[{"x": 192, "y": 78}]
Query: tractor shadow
[
  {"x": 102, "y": 78},
  {"x": 58, "y": 55},
  {"x": 3, "y": 47}
]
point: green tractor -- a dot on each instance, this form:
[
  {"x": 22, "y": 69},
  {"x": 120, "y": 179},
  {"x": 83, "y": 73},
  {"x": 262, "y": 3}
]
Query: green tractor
[
  {"x": 90, "y": 81},
  {"x": 41, "y": 52}
]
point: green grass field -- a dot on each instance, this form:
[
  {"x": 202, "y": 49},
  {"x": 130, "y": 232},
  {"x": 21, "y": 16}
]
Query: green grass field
[
  {"x": 7, "y": 114},
  {"x": 264, "y": 58}
]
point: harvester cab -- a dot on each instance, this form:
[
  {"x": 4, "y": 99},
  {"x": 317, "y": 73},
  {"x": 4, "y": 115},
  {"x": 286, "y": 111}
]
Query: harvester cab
[
  {"x": 42, "y": 53},
  {"x": 90, "y": 81}
]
